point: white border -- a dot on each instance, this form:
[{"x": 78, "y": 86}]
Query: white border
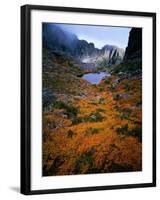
[{"x": 54, "y": 182}]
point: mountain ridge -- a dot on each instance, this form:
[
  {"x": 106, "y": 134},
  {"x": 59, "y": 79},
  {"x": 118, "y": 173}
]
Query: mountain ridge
[{"x": 59, "y": 40}]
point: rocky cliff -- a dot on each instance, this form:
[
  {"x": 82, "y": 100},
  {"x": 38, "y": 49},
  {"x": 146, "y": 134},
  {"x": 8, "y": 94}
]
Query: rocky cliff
[
  {"x": 58, "y": 40},
  {"x": 134, "y": 48},
  {"x": 110, "y": 55},
  {"x": 132, "y": 62}
]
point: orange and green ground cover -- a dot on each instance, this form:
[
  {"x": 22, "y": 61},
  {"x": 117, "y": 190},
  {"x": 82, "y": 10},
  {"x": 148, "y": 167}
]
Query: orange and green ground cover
[{"x": 91, "y": 128}]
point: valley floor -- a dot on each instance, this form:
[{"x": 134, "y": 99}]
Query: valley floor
[{"x": 91, "y": 128}]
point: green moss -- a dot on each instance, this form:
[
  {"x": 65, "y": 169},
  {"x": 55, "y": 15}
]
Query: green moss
[
  {"x": 136, "y": 132},
  {"x": 107, "y": 80},
  {"x": 124, "y": 110},
  {"x": 124, "y": 116},
  {"x": 93, "y": 117},
  {"x": 115, "y": 167},
  {"x": 96, "y": 117},
  {"x": 127, "y": 67},
  {"x": 101, "y": 89},
  {"x": 92, "y": 131},
  {"x": 60, "y": 105},
  {"x": 127, "y": 87},
  {"x": 86, "y": 158},
  {"x": 123, "y": 130},
  {"x": 71, "y": 111}
]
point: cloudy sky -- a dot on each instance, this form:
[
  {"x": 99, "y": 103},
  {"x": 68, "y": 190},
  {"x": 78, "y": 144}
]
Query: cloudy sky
[{"x": 100, "y": 35}]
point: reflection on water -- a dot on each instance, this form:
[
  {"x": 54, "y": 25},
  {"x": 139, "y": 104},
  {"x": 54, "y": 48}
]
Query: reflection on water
[{"x": 95, "y": 78}]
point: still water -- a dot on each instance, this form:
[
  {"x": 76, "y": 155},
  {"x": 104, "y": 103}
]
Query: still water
[{"x": 95, "y": 78}]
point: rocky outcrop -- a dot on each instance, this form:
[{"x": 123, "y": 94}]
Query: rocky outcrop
[
  {"x": 48, "y": 97},
  {"x": 58, "y": 40},
  {"x": 110, "y": 55},
  {"x": 134, "y": 48},
  {"x": 85, "y": 52},
  {"x": 132, "y": 62}
]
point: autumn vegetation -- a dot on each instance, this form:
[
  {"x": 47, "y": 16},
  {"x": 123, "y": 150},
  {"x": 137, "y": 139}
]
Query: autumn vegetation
[{"x": 90, "y": 128}]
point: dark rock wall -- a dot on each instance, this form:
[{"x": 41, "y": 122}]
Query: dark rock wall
[{"x": 134, "y": 48}]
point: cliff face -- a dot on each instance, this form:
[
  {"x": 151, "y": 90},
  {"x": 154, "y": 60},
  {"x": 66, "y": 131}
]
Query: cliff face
[
  {"x": 112, "y": 54},
  {"x": 132, "y": 62},
  {"x": 106, "y": 56},
  {"x": 61, "y": 41},
  {"x": 134, "y": 48}
]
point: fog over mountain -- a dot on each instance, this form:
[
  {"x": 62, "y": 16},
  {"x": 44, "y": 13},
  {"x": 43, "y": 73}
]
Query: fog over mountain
[{"x": 61, "y": 41}]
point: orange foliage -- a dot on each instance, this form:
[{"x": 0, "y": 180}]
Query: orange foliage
[{"x": 96, "y": 146}]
